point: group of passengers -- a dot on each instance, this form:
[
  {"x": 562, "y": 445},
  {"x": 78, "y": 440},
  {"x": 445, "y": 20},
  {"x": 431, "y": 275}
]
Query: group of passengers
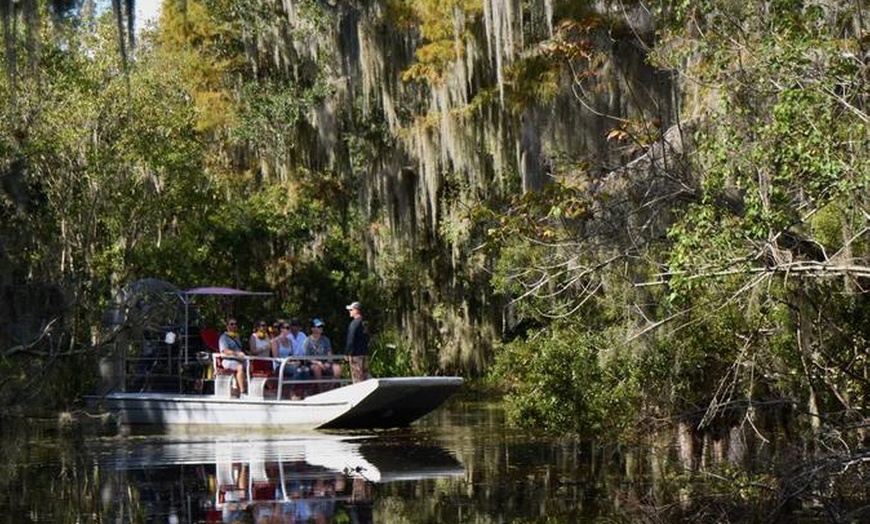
[{"x": 285, "y": 339}]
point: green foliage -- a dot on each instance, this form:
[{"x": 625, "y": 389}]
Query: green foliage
[
  {"x": 534, "y": 78},
  {"x": 390, "y": 358},
  {"x": 705, "y": 352},
  {"x": 558, "y": 382},
  {"x": 272, "y": 113},
  {"x": 776, "y": 175},
  {"x": 708, "y": 245},
  {"x": 100, "y": 203},
  {"x": 109, "y": 163}
]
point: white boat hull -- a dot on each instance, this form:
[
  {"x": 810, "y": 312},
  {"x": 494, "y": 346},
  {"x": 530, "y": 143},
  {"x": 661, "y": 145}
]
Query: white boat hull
[{"x": 374, "y": 403}]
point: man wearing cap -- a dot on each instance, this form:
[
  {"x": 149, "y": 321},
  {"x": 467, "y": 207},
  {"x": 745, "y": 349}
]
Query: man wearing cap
[
  {"x": 317, "y": 345},
  {"x": 357, "y": 347}
]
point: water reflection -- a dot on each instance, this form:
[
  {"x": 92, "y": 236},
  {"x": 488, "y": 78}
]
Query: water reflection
[
  {"x": 460, "y": 464},
  {"x": 251, "y": 478}
]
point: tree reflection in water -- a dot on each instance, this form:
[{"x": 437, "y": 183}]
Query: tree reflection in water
[
  {"x": 460, "y": 464},
  {"x": 671, "y": 474}
]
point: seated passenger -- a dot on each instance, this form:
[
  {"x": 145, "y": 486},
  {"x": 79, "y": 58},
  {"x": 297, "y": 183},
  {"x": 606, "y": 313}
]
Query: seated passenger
[
  {"x": 230, "y": 347},
  {"x": 282, "y": 346},
  {"x": 259, "y": 345},
  {"x": 287, "y": 344},
  {"x": 297, "y": 337},
  {"x": 318, "y": 345}
]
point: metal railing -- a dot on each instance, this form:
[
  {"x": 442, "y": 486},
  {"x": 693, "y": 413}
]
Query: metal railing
[{"x": 280, "y": 366}]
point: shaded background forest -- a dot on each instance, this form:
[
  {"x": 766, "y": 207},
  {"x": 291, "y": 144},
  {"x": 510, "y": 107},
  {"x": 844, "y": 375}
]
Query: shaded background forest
[{"x": 620, "y": 212}]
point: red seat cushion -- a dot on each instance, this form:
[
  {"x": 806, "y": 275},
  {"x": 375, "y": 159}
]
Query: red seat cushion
[
  {"x": 261, "y": 368},
  {"x": 264, "y": 490},
  {"x": 210, "y": 337}
]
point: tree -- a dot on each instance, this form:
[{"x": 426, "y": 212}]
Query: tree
[
  {"x": 108, "y": 162},
  {"x": 734, "y": 251}
]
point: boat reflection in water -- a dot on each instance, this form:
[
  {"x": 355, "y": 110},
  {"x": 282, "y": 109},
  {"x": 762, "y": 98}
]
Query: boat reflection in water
[{"x": 312, "y": 478}]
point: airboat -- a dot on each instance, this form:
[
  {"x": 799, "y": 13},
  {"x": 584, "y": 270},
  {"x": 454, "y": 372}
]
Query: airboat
[{"x": 208, "y": 399}]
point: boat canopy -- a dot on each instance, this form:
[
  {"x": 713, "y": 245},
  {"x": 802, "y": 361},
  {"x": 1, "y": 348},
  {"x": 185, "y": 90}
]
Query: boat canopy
[{"x": 225, "y": 291}]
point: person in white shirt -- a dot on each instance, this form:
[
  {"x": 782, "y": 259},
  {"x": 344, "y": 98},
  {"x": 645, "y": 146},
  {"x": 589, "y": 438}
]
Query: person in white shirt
[{"x": 297, "y": 338}]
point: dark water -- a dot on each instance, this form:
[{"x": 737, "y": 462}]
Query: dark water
[{"x": 460, "y": 464}]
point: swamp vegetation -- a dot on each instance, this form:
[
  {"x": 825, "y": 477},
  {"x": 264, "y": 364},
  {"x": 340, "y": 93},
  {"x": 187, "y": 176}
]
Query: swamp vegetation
[{"x": 627, "y": 215}]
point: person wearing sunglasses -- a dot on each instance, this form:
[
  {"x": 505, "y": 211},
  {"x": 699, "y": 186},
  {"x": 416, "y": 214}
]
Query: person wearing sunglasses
[
  {"x": 288, "y": 343},
  {"x": 260, "y": 345},
  {"x": 318, "y": 345},
  {"x": 230, "y": 346},
  {"x": 282, "y": 345}
]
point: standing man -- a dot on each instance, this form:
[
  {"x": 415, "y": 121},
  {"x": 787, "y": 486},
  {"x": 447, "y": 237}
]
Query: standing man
[{"x": 357, "y": 347}]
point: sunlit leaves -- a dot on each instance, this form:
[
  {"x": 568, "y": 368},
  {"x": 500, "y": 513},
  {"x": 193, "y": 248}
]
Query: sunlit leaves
[
  {"x": 192, "y": 41},
  {"x": 539, "y": 215},
  {"x": 443, "y": 42},
  {"x": 539, "y": 74}
]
